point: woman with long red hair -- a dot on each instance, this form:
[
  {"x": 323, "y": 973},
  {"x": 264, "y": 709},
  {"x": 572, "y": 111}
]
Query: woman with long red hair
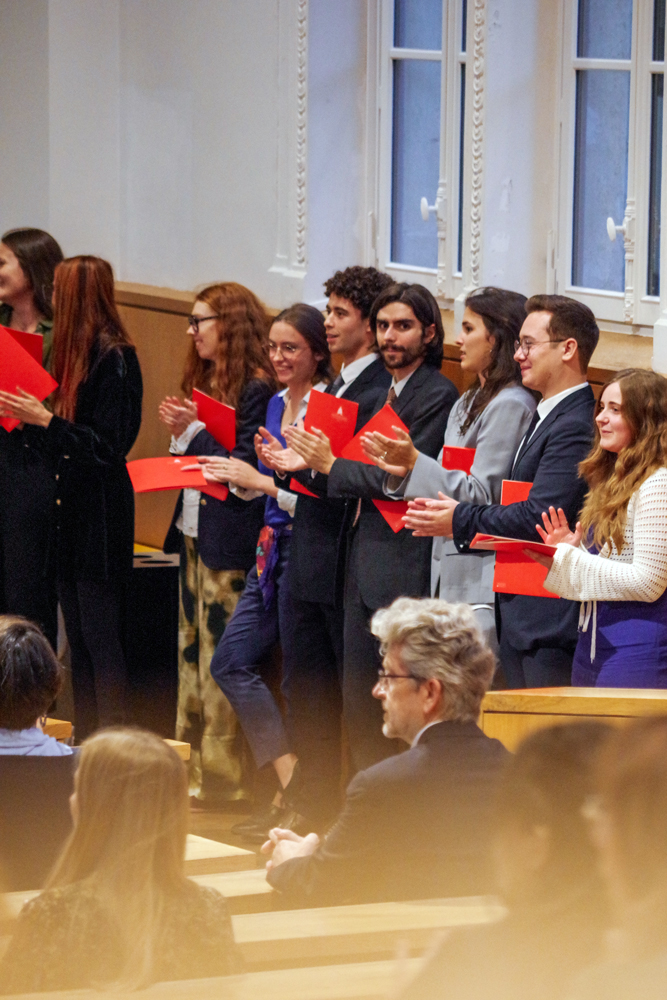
[
  {"x": 228, "y": 359},
  {"x": 95, "y": 421}
]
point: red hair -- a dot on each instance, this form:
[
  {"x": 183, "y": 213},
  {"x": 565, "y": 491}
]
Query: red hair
[
  {"x": 243, "y": 345},
  {"x": 86, "y": 318}
]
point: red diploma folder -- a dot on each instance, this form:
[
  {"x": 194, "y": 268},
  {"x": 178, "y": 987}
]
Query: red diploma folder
[
  {"x": 392, "y": 511},
  {"x": 383, "y": 422},
  {"x": 33, "y": 343},
  {"x": 335, "y": 417},
  {"x": 458, "y": 458},
  {"x": 516, "y": 573},
  {"x": 20, "y": 370},
  {"x": 150, "y": 474},
  {"x": 296, "y": 487},
  {"x": 220, "y": 420}
]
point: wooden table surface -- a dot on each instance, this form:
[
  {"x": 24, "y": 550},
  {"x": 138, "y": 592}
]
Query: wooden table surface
[
  {"x": 356, "y": 981},
  {"x": 207, "y": 857},
  {"x": 60, "y": 729}
]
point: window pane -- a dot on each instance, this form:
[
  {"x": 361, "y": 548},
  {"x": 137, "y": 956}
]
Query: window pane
[
  {"x": 418, "y": 25},
  {"x": 605, "y": 29},
  {"x": 459, "y": 255},
  {"x": 415, "y": 161},
  {"x": 658, "y": 30},
  {"x": 464, "y": 24},
  {"x": 653, "y": 278},
  {"x": 600, "y": 177}
]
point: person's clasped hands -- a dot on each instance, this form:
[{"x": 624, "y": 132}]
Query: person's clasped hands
[
  {"x": 177, "y": 414},
  {"x": 397, "y": 456},
  {"x": 283, "y": 845},
  {"x": 556, "y": 530}
]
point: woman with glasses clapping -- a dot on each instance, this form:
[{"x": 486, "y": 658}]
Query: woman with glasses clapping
[{"x": 227, "y": 359}]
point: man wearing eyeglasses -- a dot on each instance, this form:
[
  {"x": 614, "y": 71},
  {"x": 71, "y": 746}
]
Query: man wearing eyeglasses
[
  {"x": 537, "y": 634},
  {"x": 416, "y": 825}
]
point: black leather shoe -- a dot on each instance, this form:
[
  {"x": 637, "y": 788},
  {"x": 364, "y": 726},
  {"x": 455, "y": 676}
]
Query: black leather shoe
[{"x": 258, "y": 825}]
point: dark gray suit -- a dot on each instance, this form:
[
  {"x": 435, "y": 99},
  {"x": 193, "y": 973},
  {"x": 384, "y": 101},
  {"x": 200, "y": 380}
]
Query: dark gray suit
[
  {"x": 383, "y": 565},
  {"x": 415, "y": 826}
]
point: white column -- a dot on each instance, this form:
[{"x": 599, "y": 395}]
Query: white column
[{"x": 659, "y": 360}]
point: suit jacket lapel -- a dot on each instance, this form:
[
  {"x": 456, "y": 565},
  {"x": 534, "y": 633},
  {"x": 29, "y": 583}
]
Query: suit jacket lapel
[{"x": 574, "y": 399}]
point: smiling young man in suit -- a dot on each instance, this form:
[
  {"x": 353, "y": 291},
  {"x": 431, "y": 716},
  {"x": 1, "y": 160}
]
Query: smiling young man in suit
[
  {"x": 317, "y": 563},
  {"x": 537, "y": 634},
  {"x": 384, "y": 564}
]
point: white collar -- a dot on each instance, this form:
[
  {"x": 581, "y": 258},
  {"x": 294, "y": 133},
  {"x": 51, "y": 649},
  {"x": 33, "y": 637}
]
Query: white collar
[
  {"x": 436, "y": 722},
  {"x": 399, "y": 386},
  {"x": 349, "y": 372},
  {"x": 545, "y": 406}
]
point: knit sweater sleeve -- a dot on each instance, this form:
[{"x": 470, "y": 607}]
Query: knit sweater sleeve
[{"x": 638, "y": 572}]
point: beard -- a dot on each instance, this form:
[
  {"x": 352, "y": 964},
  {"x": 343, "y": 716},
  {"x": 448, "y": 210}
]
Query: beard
[{"x": 403, "y": 356}]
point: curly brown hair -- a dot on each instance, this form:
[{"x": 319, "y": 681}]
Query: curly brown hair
[
  {"x": 614, "y": 478},
  {"x": 243, "y": 351},
  {"x": 359, "y": 285}
]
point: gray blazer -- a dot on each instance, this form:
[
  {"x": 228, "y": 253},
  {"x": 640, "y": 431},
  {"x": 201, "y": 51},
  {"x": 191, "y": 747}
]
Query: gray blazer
[{"x": 496, "y": 434}]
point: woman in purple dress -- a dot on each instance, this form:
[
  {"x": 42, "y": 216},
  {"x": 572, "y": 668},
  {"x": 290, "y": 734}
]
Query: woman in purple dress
[{"x": 620, "y": 575}]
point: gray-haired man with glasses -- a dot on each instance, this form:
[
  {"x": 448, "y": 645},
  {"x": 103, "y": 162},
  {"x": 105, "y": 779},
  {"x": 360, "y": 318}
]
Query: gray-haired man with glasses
[{"x": 417, "y": 824}]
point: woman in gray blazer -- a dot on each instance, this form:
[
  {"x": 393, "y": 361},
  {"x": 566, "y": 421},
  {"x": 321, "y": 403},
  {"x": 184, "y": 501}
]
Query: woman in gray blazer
[{"x": 492, "y": 417}]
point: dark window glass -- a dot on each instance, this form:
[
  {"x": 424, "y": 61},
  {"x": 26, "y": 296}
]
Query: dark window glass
[
  {"x": 605, "y": 29},
  {"x": 464, "y": 25},
  {"x": 418, "y": 24},
  {"x": 655, "y": 178},
  {"x": 415, "y": 161},
  {"x": 459, "y": 255},
  {"x": 600, "y": 177},
  {"x": 658, "y": 30}
]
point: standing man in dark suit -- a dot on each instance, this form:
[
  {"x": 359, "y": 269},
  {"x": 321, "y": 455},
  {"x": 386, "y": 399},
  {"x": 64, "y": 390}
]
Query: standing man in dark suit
[
  {"x": 317, "y": 558},
  {"x": 537, "y": 634},
  {"x": 417, "y": 825},
  {"x": 384, "y": 564}
]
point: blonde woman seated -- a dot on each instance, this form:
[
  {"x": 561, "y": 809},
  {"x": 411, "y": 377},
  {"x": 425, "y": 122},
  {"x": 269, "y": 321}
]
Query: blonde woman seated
[
  {"x": 118, "y": 910},
  {"x": 620, "y": 573}
]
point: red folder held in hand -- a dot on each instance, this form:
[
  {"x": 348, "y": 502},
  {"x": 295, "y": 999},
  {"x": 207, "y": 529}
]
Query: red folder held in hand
[
  {"x": 516, "y": 573},
  {"x": 335, "y": 417},
  {"x": 384, "y": 421},
  {"x": 458, "y": 458},
  {"x": 220, "y": 420},
  {"x": 20, "y": 370},
  {"x": 33, "y": 343},
  {"x": 166, "y": 473}
]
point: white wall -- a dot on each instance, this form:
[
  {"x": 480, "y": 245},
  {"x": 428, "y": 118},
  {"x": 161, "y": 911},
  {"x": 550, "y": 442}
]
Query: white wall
[
  {"x": 24, "y": 113},
  {"x": 519, "y": 143}
]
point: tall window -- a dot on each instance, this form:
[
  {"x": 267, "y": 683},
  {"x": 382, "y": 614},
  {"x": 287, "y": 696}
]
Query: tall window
[
  {"x": 422, "y": 58},
  {"x": 611, "y": 157}
]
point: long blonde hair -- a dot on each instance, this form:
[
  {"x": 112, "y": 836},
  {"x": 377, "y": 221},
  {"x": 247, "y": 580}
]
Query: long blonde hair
[
  {"x": 614, "y": 478},
  {"x": 128, "y": 842}
]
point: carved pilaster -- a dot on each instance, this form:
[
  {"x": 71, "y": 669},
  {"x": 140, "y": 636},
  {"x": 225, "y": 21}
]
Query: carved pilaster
[
  {"x": 301, "y": 135},
  {"x": 477, "y": 144},
  {"x": 629, "y": 243}
]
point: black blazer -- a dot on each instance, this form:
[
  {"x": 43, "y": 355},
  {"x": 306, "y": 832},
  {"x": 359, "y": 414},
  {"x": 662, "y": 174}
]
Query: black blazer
[
  {"x": 316, "y": 567},
  {"x": 414, "y": 826},
  {"x": 549, "y": 461},
  {"x": 228, "y": 530},
  {"x": 91, "y": 531},
  {"x": 388, "y": 564}
]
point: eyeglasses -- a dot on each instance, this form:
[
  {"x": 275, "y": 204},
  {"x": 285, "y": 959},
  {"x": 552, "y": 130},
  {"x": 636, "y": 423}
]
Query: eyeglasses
[
  {"x": 525, "y": 346},
  {"x": 285, "y": 350},
  {"x": 383, "y": 677},
  {"x": 194, "y": 321}
]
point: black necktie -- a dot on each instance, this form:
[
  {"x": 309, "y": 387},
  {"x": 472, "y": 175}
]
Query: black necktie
[{"x": 336, "y": 384}]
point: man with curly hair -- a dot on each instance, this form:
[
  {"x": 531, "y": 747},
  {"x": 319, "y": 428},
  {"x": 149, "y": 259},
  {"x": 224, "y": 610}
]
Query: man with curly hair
[{"x": 317, "y": 569}]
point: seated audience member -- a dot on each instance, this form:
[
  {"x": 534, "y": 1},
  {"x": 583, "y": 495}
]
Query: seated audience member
[
  {"x": 118, "y": 909},
  {"x": 417, "y": 824},
  {"x": 629, "y": 820},
  {"x": 620, "y": 572},
  {"x": 30, "y": 680},
  {"x": 36, "y": 772},
  {"x": 492, "y": 417},
  {"x": 546, "y": 874}
]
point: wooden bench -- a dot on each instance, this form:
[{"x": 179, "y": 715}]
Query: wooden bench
[
  {"x": 511, "y": 715},
  {"x": 208, "y": 857},
  {"x": 361, "y": 981},
  {"x": 62, "y": 730},
  {"x": 363, "y": 932}
]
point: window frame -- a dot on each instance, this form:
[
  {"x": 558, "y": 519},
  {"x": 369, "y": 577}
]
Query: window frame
[
  {"x": 631, "y": 310},
  {"x": 445, "y": 281}
]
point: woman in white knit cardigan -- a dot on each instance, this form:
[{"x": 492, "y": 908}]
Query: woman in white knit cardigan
[{"x": 620, "y": 573}]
